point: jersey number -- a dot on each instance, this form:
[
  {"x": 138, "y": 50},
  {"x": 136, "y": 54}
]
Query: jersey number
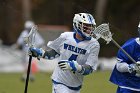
[{"x": 73, "y": 57}]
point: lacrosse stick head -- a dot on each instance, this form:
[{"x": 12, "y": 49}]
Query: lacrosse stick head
[
  {"x": 30, "y": 38},
  {"x": 103, "y": 31}
]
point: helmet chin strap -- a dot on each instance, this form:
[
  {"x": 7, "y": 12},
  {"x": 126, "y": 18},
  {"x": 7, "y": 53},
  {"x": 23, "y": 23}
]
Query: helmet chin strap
[{"x": 82, "y": 35}]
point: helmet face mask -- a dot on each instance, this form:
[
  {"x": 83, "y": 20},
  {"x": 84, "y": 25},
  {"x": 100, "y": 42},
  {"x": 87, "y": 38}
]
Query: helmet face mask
[
  {"x": 87, "y": 29},
  {"x": 84, "y": 24}
]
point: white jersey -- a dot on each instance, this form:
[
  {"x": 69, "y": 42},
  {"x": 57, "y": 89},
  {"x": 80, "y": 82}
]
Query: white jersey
[{"x": 84, "y": 52}]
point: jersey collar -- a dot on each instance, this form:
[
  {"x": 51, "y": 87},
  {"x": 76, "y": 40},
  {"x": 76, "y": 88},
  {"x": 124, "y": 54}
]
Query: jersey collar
[{"x": 77, "y": 40}]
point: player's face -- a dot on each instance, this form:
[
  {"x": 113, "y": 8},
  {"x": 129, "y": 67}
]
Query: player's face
[{"x": 88, "y": 28}]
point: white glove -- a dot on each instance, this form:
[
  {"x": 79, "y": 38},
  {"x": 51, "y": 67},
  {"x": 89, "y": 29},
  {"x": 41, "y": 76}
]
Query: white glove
[
  {"x": 69, "y": 65},
  {"x": 134, "y": 68},
  {"x": 138, "y": 71}
]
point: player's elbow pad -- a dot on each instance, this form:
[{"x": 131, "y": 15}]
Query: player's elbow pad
[
  {"x": 86, "y": 70},
  {"x": 52, "y": 54}
]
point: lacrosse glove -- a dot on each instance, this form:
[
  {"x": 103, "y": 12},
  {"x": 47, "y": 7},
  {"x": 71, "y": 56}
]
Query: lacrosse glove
[
  {"x": 69, "y": 65},
  {"x": 36, "y": 52},
  {"x": 134, "y": 69}
]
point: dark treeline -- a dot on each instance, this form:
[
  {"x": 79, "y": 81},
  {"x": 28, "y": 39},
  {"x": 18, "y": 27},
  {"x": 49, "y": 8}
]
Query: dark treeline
[{"x": 122, "y": 15}]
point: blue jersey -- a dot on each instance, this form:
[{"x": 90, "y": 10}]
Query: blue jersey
[{"x": 125, "y": 79}]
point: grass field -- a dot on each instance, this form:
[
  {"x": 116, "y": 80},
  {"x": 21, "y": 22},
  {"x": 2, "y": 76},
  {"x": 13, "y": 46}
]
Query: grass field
[{"x": 94, "y": 83}]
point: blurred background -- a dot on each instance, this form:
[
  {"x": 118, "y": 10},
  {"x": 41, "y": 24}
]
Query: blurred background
[{"x": 52, "y": 18}]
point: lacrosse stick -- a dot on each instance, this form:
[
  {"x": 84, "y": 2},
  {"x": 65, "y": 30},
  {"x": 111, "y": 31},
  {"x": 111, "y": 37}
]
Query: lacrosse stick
[
  {"x": 29, "y": 40},
  {"x": 103, "y": 31}
]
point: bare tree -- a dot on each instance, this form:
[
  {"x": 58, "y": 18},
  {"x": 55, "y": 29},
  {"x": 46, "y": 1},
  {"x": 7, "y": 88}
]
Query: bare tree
[
  {"x": 26, "y": 9},
  {"x": 100, "y": 7}
]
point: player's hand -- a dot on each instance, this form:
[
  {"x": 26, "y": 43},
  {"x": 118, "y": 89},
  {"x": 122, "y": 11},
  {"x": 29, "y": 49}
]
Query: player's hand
[
  {"x": 69, "y": 65},
  {"x": 138, "y": 65},
  {"x": 36, "y": 52},
  {"x": 138, "y": 71},
  {"x": 134, "y": 68}
]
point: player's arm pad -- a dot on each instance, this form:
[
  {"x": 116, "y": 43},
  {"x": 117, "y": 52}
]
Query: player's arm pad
[
  {"x": 50, "y": 54},
  {"x": 86, "y": 70},
  {"x": 122, "y": 67}
]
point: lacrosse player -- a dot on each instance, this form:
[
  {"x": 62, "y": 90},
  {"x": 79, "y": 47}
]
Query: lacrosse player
[
  {"x": 78, "y": 52},
  {"x": 126, "y": 74},
  {"x": 39, "y": 42}
]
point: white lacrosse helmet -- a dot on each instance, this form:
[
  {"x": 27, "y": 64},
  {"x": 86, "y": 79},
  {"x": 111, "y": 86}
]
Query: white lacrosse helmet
[
  {"x": 139, "y": 29},
  {"x": 139, "y": 25},
  {"x": 84, "y": 24},
  {"x": 29, "y": 24}
]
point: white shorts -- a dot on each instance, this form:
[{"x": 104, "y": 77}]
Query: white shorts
[{"x": 60, "y": 88}]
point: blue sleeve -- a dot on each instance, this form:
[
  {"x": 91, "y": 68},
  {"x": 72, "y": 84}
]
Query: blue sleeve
[{"x": 129, "y": 48}]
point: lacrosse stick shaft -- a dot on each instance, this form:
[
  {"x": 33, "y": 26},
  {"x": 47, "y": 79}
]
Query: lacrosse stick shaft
[
  {"x": 123, "y": 51},
  {"x": 28, "y": 74}
]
